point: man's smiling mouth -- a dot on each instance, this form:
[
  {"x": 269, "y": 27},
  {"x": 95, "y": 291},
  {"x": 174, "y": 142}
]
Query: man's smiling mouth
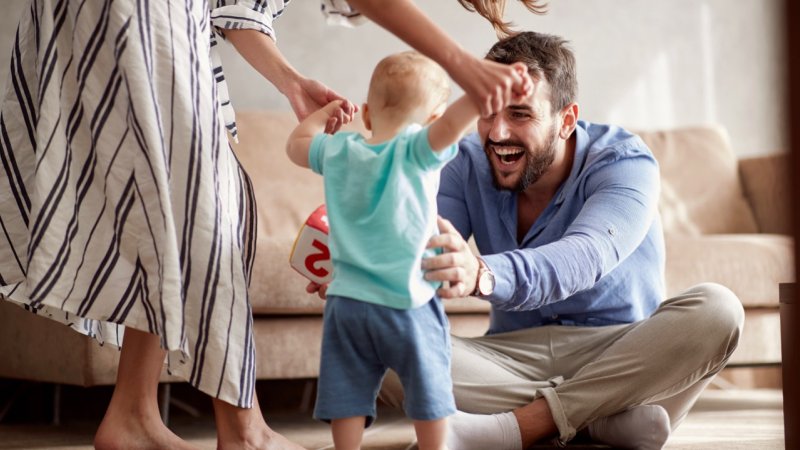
[{"x": 508, "y": 155}]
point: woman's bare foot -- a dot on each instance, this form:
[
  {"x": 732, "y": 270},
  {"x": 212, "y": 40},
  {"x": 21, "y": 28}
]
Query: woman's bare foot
[
  {"x": 265, "y": 440},
  {"x": 136, "y": 431},
  {"x": 245, "y": 428},
  {"x": 132, "y": 420}
]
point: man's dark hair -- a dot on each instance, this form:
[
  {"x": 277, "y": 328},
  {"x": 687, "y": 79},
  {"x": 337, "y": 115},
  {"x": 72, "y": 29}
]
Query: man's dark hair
[{"x": 547, "y": 56}]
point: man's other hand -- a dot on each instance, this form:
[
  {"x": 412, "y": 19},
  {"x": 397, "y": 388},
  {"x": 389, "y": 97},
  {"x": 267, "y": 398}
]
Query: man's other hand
[
  {"x": 457, "y": 265},
  {"x": 320, "y": 289}
]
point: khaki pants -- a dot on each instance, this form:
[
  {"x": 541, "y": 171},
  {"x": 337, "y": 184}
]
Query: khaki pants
[{"x": 585, "y": 373}]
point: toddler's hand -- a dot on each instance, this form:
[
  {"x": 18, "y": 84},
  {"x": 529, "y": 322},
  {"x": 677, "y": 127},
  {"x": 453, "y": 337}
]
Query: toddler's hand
[
  {"x": 307, "y": 95},
  {"x": 339, "y": 113}
]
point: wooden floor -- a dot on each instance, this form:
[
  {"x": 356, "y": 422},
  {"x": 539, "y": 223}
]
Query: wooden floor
[{"x": 722, "y": 419}]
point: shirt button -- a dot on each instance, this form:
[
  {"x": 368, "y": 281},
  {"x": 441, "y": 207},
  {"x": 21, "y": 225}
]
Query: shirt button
[
  {"x": 554, "y": 316},
  {"x": 612, "y": 231}
]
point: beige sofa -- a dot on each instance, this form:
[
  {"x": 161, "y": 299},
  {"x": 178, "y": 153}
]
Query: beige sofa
[{"x": 725, "y": 221}]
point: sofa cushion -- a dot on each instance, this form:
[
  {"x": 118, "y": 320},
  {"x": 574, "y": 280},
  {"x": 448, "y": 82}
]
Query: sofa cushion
[
  {"x": 751, "y": 265},
  {"x": 700, "y": 188},
  {"x": 768, "y": 190}
]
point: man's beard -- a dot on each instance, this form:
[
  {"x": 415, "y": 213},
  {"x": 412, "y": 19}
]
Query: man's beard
[{"x": 537, "y": 162}]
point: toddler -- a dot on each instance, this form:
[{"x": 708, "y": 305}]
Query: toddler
[{"x": 380, "y": 194}]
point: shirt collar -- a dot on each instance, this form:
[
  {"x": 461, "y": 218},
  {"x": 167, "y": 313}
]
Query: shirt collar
[{"x": 581, "y": 141}]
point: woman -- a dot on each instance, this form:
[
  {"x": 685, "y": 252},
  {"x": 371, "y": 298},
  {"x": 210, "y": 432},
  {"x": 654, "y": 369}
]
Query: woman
[{"x": 125, "y": 208}]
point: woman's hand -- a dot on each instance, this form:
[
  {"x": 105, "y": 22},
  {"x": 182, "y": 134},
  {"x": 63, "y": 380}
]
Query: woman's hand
[
  {"x": 457, "y": 265},
  {"x": 493, "y": 86},
  {"x": 307, "y": 95}
]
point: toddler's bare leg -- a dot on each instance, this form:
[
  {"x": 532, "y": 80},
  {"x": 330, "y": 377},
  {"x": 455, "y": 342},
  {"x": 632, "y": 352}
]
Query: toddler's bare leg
[
  {"x": 348, "y": 432},
  {"x": 431, "y": 434}
]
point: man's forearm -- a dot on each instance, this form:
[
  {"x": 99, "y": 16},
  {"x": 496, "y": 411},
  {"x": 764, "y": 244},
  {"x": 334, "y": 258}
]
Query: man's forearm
[{"x": 528, "y": 279}]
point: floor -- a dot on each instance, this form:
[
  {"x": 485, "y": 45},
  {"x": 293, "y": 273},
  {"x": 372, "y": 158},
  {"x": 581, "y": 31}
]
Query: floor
[{"x": 722, "y": 419}]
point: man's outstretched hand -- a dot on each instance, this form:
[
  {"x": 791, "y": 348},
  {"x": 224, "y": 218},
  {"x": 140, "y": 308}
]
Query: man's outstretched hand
[
  {"x": 457, "y": 264},
  {"x": 320, "y": 289}
]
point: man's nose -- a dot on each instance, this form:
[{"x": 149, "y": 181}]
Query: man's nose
[{"x": 499, "y": 130}]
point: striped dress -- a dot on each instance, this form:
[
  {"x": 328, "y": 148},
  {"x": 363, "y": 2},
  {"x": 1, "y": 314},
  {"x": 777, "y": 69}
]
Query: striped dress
[{"x": 121, "y": 202}]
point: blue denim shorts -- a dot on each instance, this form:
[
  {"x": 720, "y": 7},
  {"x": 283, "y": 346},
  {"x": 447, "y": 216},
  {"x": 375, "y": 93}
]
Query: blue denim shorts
[{"x": 361, "y": 340}]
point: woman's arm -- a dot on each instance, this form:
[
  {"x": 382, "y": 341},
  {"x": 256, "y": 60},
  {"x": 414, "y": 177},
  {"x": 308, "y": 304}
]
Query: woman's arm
[
  {"x": 490, "y": 85},
  {"x": 305, "y": 95}
]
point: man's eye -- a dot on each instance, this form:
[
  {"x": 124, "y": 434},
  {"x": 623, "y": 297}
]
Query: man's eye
[{"x": 519, "y": 115}]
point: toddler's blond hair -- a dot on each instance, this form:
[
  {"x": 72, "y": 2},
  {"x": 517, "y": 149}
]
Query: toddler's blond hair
[{"x": 405, "y": 84}]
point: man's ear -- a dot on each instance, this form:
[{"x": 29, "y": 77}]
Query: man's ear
[
  {"x": 365, "y": 117},
  {"x": 569, "y": 120}
]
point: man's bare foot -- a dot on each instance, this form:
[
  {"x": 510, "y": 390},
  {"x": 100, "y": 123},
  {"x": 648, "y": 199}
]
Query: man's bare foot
[{"x": 136, "y": 432}]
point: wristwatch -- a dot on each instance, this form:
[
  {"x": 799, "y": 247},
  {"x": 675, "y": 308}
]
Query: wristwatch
[{"x": 484, "y": 285}]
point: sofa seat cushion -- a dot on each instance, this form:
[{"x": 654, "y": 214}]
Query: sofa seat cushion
[
  {"x": 751, "y": 265},
  {"x": 760, "y": 342},
  {"x": 33, "y": 347}
]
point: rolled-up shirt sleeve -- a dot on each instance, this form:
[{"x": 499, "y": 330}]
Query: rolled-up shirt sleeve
[
  {"x": 339, "y": 12},
  {"x": 618, "y": 213},
  {"x": 246, "y": 15}
]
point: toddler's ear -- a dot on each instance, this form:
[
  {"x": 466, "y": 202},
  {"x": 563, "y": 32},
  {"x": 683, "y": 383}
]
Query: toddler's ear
[
  {"x": 438, "y": 112},
  {"x": 365, "y": 117}
]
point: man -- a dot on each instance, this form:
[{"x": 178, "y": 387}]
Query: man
[{"x": 564, "y": 213}]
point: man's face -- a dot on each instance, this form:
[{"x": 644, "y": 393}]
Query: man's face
[{"x": 521, "y": 141}]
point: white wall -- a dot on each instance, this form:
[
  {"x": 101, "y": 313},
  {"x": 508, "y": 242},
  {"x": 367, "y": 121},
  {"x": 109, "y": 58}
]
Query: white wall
[{"x": 641, "y": 63}]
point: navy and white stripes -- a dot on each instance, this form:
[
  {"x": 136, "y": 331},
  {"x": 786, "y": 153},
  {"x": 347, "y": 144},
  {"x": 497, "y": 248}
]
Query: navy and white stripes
[{"x": 121, "y": 202}]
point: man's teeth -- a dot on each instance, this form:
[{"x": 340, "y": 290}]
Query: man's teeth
[
  {"x": 505, "y": 151},
  {"x": 509, "y": 155}
]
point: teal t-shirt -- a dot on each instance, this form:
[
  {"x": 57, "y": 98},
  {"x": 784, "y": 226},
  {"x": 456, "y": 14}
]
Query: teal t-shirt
[{"x": 381, "y": 202}]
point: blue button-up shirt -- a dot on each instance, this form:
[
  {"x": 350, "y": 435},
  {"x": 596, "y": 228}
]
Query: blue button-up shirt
[{"x": 594, "y": 256}]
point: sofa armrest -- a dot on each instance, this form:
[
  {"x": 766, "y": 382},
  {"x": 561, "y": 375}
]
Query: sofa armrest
[{"x": 765, "y": 180}]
